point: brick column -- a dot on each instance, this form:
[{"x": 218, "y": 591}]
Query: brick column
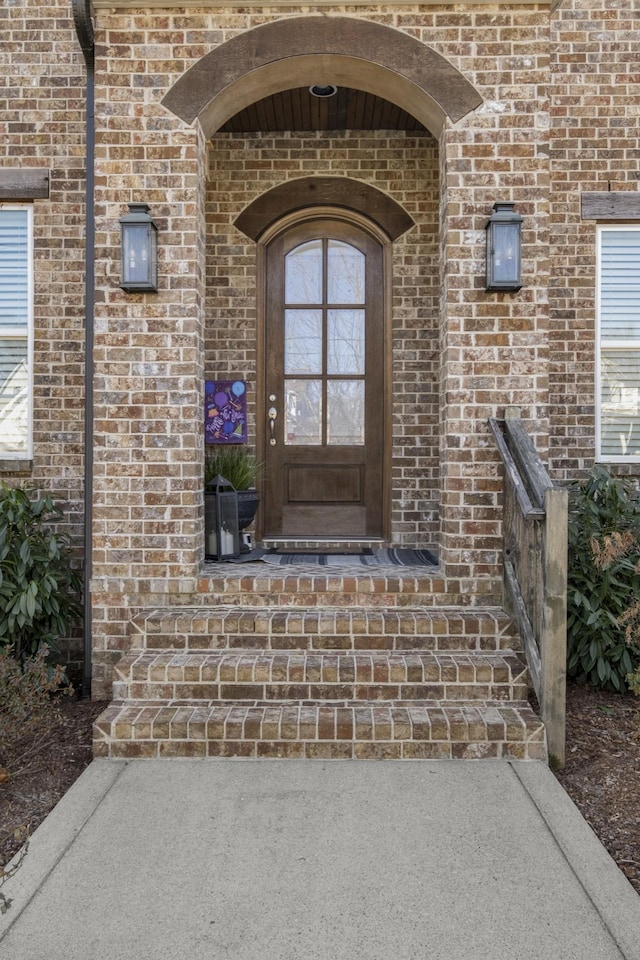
[
  {"x": 149, "y": 363},
  {"x": 494, "y": 346}
]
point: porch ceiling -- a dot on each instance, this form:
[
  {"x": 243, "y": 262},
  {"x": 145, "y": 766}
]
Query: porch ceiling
[{"x": 298, "y": 110}]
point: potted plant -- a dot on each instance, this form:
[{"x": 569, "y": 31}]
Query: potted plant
[{"x": 239, "y": 465}]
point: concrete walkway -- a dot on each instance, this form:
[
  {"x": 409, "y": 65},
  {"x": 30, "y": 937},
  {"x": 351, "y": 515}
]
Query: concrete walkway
[{"x": 307, "y": 860}]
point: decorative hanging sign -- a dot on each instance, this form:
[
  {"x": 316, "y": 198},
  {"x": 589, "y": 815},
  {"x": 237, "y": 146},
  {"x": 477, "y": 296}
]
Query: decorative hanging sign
[{"x": 225, "y": 411}]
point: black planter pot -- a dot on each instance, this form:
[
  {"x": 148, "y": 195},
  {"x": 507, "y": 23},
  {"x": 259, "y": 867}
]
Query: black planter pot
[{"x": 248, "y": 501}]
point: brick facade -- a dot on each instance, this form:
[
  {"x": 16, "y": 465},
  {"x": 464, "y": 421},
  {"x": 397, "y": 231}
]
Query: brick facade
[
  {"x": 558, "y": 116},
  {"x": 594, "y": 145},
  {"x": 42, "y": 125}
]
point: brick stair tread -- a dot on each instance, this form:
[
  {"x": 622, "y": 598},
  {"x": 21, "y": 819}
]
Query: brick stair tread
[
  {"x": 325, "y": 628},
  {"x": 280, "y": 585},
  {"x": 320, "y": 666},
  {"x": 189, "y": 614},
  {"x": 398, "y": 730},
  {"x": 327, "y": 675}
]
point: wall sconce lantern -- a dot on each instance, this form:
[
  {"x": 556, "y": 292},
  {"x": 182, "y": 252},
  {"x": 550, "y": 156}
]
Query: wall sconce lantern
[
  {"x": 222, "y": 531},
  {"x": 503, "y": 248},
  {"x": 139, "y": 250}
]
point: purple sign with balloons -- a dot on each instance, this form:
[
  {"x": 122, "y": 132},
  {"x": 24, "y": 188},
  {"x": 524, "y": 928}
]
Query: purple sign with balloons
[{"x": 225, "y": 411}]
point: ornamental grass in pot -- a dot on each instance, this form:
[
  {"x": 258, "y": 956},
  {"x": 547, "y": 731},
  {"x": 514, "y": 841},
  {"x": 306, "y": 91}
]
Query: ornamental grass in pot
[{"x": 239, "y": 465}]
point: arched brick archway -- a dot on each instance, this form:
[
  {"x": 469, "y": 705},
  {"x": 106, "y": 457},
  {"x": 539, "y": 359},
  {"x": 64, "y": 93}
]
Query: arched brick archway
[
  {"x": 287, "y": 53},
  {"x": 393, "y": 66}
]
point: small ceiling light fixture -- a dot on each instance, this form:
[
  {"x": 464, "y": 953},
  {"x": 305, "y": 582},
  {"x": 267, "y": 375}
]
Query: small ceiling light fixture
[
  {"x": 323, "y": 90},
  {"x": 503, "y": 248},
  {"x": 139, "y": 250}
]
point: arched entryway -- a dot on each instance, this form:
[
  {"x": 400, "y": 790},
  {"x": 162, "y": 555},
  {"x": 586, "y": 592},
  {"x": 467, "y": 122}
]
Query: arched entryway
[
  {"x": 373, "y": 154},
  {"x": 300, "y": 51}
]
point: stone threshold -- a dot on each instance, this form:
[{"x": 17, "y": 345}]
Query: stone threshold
[{"x": 323, "y": 544}]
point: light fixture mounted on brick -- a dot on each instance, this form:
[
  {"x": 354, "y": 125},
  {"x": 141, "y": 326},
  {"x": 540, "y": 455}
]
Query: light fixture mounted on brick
[
  {"x": 504, "y": 261},
  {"x": 139, "y": 250}
]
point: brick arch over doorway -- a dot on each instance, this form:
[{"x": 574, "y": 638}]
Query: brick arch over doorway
[
  {"x": 341, "y": 192},
  {"x": 286, "y": 53}
]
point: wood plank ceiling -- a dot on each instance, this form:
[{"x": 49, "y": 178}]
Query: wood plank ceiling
[{"x": 299, "y": 110}]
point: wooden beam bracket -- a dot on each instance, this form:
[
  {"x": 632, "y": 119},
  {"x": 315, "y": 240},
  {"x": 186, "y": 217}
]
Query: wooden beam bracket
[{"x": 24, "y": 183}]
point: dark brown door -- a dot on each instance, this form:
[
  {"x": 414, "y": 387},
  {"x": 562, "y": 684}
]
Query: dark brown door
[{"x": 324, "y": 403}]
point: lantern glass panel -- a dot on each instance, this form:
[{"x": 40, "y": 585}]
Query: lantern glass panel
[
  {"x": 505, "y": 239},
  {"x": 227, "y": 531},
  {"x": 139, "y": 250},
  {"x": 137, "y": 259}
]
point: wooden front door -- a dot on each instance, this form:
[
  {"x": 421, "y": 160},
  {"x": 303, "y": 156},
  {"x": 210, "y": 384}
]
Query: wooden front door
[{"x": 324, "y": 382}]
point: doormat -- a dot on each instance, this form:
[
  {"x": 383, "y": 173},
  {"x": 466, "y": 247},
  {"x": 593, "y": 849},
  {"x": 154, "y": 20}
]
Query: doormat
[{"x": 392, "y": 557}]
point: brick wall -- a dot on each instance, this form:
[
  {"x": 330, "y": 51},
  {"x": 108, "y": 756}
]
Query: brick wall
[
  {"x": 148, "y": 348},
  {"x": 595, "y": 146},
  {"x": 494, "y": 345},
  {"x": 42, "y": 125}
]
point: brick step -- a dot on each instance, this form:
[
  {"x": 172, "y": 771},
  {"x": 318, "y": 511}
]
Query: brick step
[
  {"x": 328, "y": 628},
  {"x": 261, "y": 584},
  {"x": 270, "y": 675},
  {"x": 414, "y": 730}
]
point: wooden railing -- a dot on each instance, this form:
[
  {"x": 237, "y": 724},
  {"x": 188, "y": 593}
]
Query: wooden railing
[{"x": 535, "y": 570}]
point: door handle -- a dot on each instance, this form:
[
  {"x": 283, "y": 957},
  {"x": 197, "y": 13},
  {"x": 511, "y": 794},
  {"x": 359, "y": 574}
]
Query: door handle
[{"x": 272, "y": 414}]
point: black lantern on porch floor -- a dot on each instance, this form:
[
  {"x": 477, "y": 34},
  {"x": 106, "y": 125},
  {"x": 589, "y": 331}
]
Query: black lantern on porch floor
[
  {"x": 222, "y": 533},
  {"x": 503, "y": 248}
]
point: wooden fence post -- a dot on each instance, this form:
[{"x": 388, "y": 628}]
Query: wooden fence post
[{"x": 554, "y": 622}]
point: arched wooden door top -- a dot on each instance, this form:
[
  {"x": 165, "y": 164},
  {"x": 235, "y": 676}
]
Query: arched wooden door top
[{"x": 339, "y": 192}]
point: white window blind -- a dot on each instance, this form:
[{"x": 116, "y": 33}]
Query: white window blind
[
  {"x": 14, "y": 269},
  {"x": 15, "y": 331},
  {"x": 619, "y": 336}
]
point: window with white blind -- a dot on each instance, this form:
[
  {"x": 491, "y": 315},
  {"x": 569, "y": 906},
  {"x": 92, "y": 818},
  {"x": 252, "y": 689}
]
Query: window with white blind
[
  {"x": 618, "y": 361},
  {"x": 16, "y": 311}
]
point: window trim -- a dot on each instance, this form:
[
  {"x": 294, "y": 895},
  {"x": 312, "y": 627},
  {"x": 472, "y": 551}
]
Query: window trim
[
  {"x": 21, "y": 456},
  {"x": 620, "y": 344}
]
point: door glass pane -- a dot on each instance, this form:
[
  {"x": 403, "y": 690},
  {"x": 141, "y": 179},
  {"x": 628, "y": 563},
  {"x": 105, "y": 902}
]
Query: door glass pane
[
  {"x": 303, "y": 412},
  {"x": 303, "y": 341},
  {"x": 345, "y": 273},
  {"x": 345, "y": 341},
  {"x": 620, "y": 399},
  {"x": 14, "y": 396},
  {"x": 303, "y": 273},
  {"x": 345, "y": 412}
]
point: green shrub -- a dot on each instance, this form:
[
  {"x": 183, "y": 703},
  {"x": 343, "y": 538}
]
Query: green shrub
[
  {"x": 39, "y": 590},
  {"x": 604, "y": 580}
]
